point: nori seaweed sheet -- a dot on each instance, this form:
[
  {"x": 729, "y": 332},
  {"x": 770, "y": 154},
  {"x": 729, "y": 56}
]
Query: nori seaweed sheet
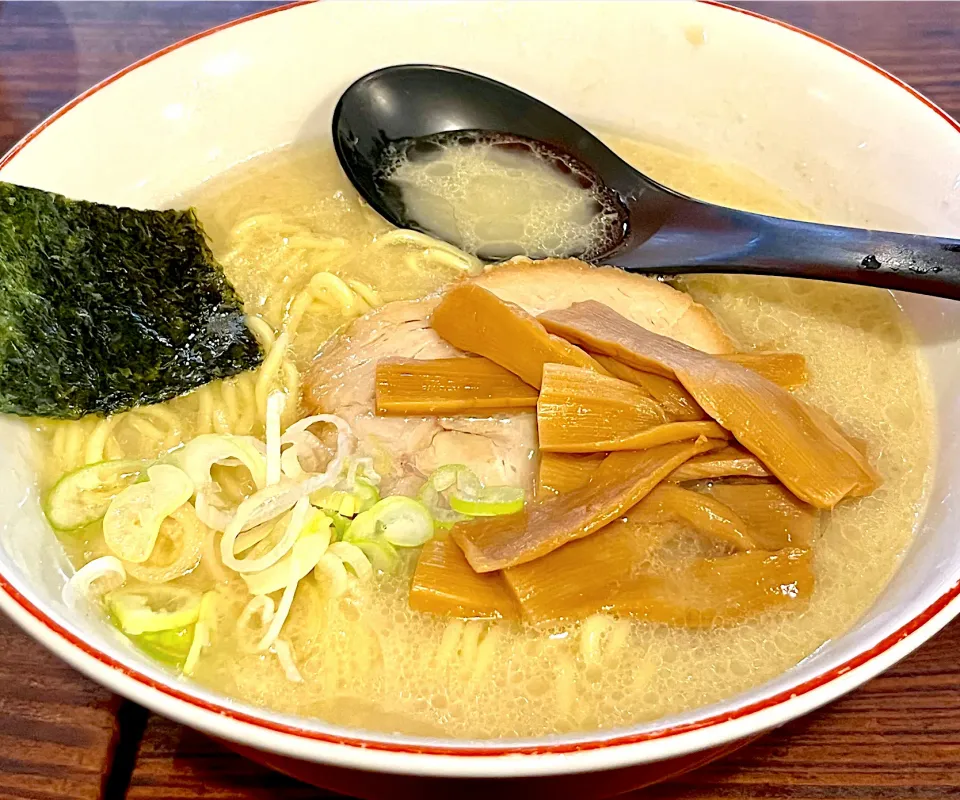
[{"x": 105, "y": 308}]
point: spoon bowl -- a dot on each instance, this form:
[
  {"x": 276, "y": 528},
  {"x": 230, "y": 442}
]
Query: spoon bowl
[
  {"x": 660, "y": 230},
  {"x": 417, "y": 101}
]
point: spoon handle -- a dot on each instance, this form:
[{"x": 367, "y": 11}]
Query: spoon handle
[{"x": 699, "y": 237}]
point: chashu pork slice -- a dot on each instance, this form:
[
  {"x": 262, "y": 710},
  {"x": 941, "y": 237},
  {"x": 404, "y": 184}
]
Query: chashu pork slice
[
  {"x": 501, "y": 448},
  {"x": 554, "y": 283}
]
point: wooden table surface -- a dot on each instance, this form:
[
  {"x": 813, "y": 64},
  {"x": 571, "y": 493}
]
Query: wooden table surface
[{"x": 64, "y": 737}]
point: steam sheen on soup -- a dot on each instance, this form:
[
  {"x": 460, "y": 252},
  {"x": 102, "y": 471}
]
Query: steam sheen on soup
[{"x": 319, "y": 272}]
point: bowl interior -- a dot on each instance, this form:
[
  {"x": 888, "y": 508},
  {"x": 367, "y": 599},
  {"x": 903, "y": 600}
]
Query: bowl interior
[{"x": 836, "y": 134}]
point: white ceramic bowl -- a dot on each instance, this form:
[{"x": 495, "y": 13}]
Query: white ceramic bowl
[{"x": 837, "y": 132}]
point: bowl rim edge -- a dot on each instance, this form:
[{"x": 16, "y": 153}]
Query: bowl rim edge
[{"x": 450, "y": 760}]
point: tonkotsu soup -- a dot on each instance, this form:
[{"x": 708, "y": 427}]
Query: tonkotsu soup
[{"x": 429, "y": 476}]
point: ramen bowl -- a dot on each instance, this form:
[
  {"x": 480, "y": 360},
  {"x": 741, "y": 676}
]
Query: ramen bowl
[{"x": 835, "y": 132}]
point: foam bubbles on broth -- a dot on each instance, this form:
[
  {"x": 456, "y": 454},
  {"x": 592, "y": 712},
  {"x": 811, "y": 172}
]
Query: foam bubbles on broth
[
  {"x": 503, "y": 196},
  {"x": 371, "y": 662}
]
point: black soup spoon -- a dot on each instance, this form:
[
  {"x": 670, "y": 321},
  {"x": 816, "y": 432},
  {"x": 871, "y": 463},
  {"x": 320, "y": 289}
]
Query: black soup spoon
[{"x": 656, "y": 229}]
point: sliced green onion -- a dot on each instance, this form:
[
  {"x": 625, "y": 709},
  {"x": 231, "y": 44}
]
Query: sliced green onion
[
  {"x": 262, "y": 507},
  {"x": 492, "y": 501},
  {"x": 402, "y": 521},
  {"x": 304, "y": 557},
  {"x": 438, "y": 506},
  {"x": 203, "y": 631},
  {"x": 382, "y": 555},
  {"x": 458, "y": 476},
  {"x": 169, "y": 647},
  {"x": 154, "y": 608},
  {"x": 362, "y": 496},
  {"x": 132, "y": 521},
  {"x": 353, "y": 557},
  {"x": 198, "y": 456},
  {"x": 83, "y": 496},
  {"x": 178, "y": 549},
  {"x": 468, "y": 484},
  {"x": 306, "y": 550},
  {"x": 332, "y": 575},
  {"x": 441, "y": 484},
  {"x": 315, "y": 523},
  {"x": 336, "y": 500},
  {"x": 366, "y": 493},
  {"x": 107, "y": 572},
  {"x": 445, "y": 477},
  {"x": 361, "y": 468},
  {"x": 340, "y": 525}
]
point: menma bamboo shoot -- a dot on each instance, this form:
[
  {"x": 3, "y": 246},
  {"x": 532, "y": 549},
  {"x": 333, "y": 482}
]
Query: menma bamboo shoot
[
  {"x": 797, "y": 443},
  {"x": 620, "y": 482},
  {"x": 448, "y": 386}
]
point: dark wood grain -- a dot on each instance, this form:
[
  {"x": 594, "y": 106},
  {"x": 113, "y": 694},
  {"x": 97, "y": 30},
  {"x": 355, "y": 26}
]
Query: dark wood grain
[
  {"x": 176, "y": 763},
  {"x": 57, "y": 731},
  {"x": 898, "y": 737},
  {"x": 50, "y": 52}
]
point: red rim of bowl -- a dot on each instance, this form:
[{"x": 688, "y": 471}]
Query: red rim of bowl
[{"x": 370, "y": 744}]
